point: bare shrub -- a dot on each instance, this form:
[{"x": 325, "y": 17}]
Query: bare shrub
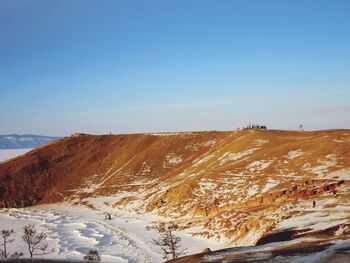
[
  {"x": 35, "y": 241},
  {"x": 169, "y": 243},
  {"x": 92, "y": 256},
  {"x": 5, "y": 236}
]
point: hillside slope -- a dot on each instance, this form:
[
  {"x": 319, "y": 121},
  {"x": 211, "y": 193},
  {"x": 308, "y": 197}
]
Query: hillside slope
[{"x": 235, "y": 187}]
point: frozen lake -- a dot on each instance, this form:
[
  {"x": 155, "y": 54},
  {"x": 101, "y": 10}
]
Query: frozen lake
[{"x": 12, "y": 153}]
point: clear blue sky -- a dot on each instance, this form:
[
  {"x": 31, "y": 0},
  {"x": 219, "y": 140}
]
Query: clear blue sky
[{"x": 142, "y": 66}]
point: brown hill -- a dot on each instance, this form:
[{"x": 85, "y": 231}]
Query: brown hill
[
  {"x": 236, "y": 186},
  {"x": 50, "y": 173}
]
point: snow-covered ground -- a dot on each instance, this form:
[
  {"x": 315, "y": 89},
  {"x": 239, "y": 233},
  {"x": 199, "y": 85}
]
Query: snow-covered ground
[
  {"x": 328, "y": 213},
  {"x": 74, "y": 230},
  {"x": 12, "y": 153}
]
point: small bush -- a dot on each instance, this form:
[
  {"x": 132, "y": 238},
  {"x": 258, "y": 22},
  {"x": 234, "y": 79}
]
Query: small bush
[{"x": 92, "y": 256}]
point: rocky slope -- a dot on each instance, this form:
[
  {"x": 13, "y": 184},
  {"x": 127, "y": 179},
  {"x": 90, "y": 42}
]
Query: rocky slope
[{"x": 235, "y": 187}]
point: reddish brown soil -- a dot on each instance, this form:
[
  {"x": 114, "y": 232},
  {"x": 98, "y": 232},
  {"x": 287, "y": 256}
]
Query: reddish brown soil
[
  {"x": 47, "y": 173},
  {"x": 55, "y": 171}
]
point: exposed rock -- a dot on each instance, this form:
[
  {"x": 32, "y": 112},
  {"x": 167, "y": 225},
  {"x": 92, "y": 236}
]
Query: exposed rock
[{"x": 206, "y": 250}]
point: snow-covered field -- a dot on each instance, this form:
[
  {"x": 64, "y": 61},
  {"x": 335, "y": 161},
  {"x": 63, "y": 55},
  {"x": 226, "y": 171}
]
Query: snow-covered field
[
  {"x": 74, "y": 230},
  {"x": 11, "y": 153}
]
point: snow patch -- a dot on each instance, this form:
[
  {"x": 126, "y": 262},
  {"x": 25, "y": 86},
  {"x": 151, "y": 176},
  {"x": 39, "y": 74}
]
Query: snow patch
[
  {"x": 321, "y": 169},
  {"x": 171, "y": 160},
  {"x": 270, "y": 184},
  {"x": 258, "y": 165},
  {"x": 342, "y": 140},
  {"x": 252, "y": 190},
  {"x": 227, "y": 157},
  {"x": 342, "y": 174},
  {"x": 209, "y": 143},
  {"x": 294, "y": 154},
  {"x": 206, "y": 185},
  {"x": 200, "y": 160},
  {"x": 260, "y": 142},
  {"x": 145, "y": 169}
]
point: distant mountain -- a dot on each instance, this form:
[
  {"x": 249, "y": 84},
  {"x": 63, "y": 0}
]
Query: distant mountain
[{"x": 15, "y": 141}]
